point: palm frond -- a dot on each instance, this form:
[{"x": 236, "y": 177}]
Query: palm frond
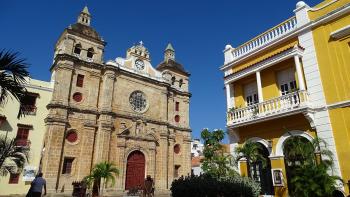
[{"x": 13, "y": 73}]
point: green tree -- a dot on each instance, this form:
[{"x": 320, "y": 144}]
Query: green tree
[
  {"x": 311, "y": 165},
  {"x": 216, "y": 163},
  {"x": 12, "y": 157},
  {"x": 250, "y": 151},
  {"x": 13, "y": 73},
  {"x": 102, "y": 174}
]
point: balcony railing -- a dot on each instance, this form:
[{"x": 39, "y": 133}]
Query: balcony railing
[
  {"x": 22, "y": 142},
  {"x": 265, "y": 38},
  {"x": 29, "y": 109},
  {"x": 275, "y": 106}
]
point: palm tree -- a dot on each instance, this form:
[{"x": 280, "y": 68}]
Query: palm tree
[
  {"x": 12, "y": 157},
  {"x": 310, "y": 174},
  {"x": 13, "y": 72},
  {"x": 102, "y": 172},
  {"x": 251, "y": 151}
]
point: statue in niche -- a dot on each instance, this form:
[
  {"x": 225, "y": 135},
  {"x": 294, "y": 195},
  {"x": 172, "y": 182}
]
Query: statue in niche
[{"x": 124, "y": 130}]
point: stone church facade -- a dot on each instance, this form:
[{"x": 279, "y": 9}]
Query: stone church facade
[{"x": 123, "y": 111}]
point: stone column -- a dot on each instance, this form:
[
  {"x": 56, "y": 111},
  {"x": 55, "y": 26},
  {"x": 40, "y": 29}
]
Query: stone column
[
  {"x": 187, "y": 156},
  {"x": 86, "y": 151},
  {"x": 63, "y": 75},
  {"x": 103, "y": 138},
  {"x": 52, "y": 154},
  {"x": 162, "y": 160},
  {"x": 107, "y": 91},
  {"x": 171, "y": 163},
  {"x": 121, "y": 164},
  {"x": 299, "y": 73},
  {"x": 230, "y": 96},
  {"x": 258, "y": 82}
]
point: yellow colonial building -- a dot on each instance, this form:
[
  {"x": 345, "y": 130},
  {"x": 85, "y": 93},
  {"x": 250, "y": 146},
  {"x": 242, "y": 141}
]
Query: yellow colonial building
[
  {"x": 29, "y": 132},
  {"x": 292, "y": 80}
]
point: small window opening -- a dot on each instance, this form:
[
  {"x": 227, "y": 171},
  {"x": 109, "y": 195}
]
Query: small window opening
[
  {"x": 180, "y": 83},
  {"x": 22, "y": 137},
  {"x": 77, "y": 49},
  {"x": 80, "y": 80},
  {"x": 177, "y": 105},
  {"x": 67, "y": 165},
  {"x": 90, "y": 53},
  {"x": 172, "y": 80},
  {"x": 14, "y": 178}
]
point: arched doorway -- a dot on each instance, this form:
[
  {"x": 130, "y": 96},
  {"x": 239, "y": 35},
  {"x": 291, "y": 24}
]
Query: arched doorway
[
  {"x": 261, "y": 173},
  {"x": 135, "y": 170},
  {"x": 297, "y": 151}
]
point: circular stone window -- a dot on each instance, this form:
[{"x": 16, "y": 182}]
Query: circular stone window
[
  {"x": 72, "y": 136},
  {"x": 77, "y": 96},
  {"x": 138, "y": 101},
  {"x": 177, "y": 149}
]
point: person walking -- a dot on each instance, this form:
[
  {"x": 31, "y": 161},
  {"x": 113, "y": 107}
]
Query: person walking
[{"x": 37, "y": 185}]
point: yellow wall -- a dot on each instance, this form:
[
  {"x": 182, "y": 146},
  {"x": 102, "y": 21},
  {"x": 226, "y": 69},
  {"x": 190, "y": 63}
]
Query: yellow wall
[
  {"x": 36, "y": 135},
  {"x": 268, "y": 82},
  {"x": 273, "y": 130},
  {"x": 333, "y": 58},
  {"x": 265, "y": 54},
  {"x": 316, "y": 14}
]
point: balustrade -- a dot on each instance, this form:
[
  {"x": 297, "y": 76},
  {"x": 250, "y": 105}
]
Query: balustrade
[
  {"x": 266, "y": 37},
  {"x": 288, "y": 102}
]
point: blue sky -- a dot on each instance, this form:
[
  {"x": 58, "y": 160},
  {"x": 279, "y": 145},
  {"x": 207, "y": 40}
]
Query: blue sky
[{"x": 198, "y": 30}]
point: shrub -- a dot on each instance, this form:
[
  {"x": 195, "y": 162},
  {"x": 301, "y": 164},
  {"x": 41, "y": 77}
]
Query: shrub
[{"x": 207, "y": 186}]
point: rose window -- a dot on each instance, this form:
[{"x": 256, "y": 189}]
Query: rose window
[{"x": 138, "y": 101}]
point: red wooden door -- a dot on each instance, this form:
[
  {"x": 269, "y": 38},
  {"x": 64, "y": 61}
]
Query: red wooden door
[{"x": 135, "y": 170}]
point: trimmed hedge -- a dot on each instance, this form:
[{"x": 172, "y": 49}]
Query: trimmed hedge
[{"x": 207, "y": 186}]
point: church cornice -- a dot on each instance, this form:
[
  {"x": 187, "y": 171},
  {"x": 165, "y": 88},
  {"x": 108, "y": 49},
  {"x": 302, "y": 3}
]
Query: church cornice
[{"x": 62, "y": 57}]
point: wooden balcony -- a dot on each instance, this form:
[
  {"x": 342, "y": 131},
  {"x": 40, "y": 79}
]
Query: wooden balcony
[{"x": 285, "y": 105}]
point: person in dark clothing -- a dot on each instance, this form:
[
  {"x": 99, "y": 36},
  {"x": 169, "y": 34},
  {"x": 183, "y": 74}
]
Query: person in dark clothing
[
  {"x": 37, "y": 186},
  {"x": 148, "y": 188}
]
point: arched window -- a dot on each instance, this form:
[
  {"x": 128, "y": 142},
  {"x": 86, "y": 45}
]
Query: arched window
[
  {"x": 172, "y": 80},
  {"x": 77, "y": 49},
  {"x": 180, "y": 82},
  {"x": 90, "y": 53}
]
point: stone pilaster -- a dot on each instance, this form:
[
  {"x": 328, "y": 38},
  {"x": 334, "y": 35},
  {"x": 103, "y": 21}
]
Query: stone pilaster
[
  {"x": 162, "y": 162},
  {"x": 107, "y": 91},
  {"x": 171, "y": 163},
  {"x": 51, "y": 159}
]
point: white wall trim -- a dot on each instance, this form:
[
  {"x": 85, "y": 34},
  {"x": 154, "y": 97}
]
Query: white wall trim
[
  {"x": 290, "y": 53},
  {"x": 339, "y": 104},
  {"x": 261, "y": 141},
  {"x": 340, "y": 33},
  {"x": 284, "y": 137}
]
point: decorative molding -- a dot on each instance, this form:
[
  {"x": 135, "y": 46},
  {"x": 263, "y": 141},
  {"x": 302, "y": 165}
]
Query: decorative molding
[
  {"x": 330, "y": 16},
  {"x": 295, "y": 51},
  {"x": 285, "y": 136},
  {"x": 340, "y": 33},
  {"x": 325, "y": 5},
  {"x": 339, "y": 105}
]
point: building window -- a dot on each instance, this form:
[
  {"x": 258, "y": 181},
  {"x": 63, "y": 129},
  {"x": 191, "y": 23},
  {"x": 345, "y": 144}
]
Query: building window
[
  {"x": 72, "y": 136},
  {"x": 173, "y": 80},
  {"x": 90, "y": 53},
  {"x": 176, "y": 171},
  {"x": 13, "y": 178},
  {"x": 177, "y": 106},
  {"x": 80, "y": 80},
  {"x": 28, "y": 103},
  {"x": 180, "y": 82},
  {"x": 177, "y": 149},
  {"x": 77, "y": 97},
  {"x": 77, "y": 49},
  {"x": 138, "y": 101},
  {"x": 67, "y": 165},
  {"x": 22, "y": 137},
  {"x": 177, "y": 118}
]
